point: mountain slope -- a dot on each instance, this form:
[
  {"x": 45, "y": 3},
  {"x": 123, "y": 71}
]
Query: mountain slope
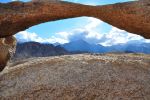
[
  {"x": 133, "y": 47},
  {"x": 34, "y": 49},
  {"x": 83, "y": 46}
]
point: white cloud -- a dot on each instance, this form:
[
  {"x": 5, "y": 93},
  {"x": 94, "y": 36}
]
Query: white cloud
[
  {"x": 25, "y": 36},
  {"x": 87, "y": 33},
  {"x": 117, "y": 36},
  {"x": 92, "y": 23}
]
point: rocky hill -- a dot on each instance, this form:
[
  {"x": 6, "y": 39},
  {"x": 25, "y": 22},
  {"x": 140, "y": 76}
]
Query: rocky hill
[
  {"x": 35, "y": 49},
  {"x": 78, "y": 77}
]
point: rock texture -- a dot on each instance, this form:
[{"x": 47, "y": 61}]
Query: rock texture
[
  {"x": 7, "y": 49},
  {"x": 133, "y": 17},
  {"x": 78, "y": 77},
  {"x": 18, "y": 16}
]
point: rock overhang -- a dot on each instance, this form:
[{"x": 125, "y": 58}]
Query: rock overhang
[{"x": 130, "y": 16}]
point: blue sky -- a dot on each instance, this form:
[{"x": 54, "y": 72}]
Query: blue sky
[
  {"x": 91, "y": 2},
  {"x": 90, "y": 29}
]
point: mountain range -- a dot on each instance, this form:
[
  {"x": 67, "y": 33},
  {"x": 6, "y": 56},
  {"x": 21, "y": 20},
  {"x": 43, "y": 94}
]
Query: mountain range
[
  {"x": 35, "y": 49},
  {"x": 130, "y": 47},
  {"x": 83, "y": 46}
]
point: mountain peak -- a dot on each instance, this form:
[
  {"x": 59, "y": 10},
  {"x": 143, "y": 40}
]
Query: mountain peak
[{"x": 80, "y": 42}]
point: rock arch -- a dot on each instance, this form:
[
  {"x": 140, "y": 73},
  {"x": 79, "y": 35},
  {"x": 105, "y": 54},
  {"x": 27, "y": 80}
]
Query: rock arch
[{"x": 130, "y": 16}]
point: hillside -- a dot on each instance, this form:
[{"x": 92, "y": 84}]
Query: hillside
[
  {"x": 35, "y": 49},
  {"x": 83, "y": 46},
  {"x": 78, "y": 77}
]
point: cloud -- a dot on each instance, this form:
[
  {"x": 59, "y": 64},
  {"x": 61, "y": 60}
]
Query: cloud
[
  {"x": 25, "y": 36},
  {"x": 117, "y": 36},
  {"x": 87, "y": 33},
  {"x": 92, "y": 23}
]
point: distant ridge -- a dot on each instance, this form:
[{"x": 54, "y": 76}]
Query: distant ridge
[
  {"x": 83, "y": 46},
  {"x": 130, "y": 47},
  {"x": 35, "y": 49}
]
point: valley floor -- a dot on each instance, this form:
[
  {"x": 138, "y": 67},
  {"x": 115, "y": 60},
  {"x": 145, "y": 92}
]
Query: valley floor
[{"x": 78, "y": 77}]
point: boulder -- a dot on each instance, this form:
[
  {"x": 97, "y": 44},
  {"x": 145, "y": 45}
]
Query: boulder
[
  {"x": 7, "y": 49},
  {"x": 78, "y": 77}
]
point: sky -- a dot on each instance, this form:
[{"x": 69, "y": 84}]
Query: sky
[{"x": 92, "y": 30}]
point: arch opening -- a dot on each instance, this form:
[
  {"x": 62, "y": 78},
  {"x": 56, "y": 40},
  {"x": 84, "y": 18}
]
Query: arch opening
[{"x": 76, "y": 33}]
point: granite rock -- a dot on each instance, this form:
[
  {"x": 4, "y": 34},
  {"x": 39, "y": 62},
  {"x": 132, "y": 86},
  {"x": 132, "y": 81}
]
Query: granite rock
[
  {"x": 130, "y": 16},
  {"x": 78, "y": 77}
]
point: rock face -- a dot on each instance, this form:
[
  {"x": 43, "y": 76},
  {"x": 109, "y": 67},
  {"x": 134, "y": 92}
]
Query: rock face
[
  {"x": 7, "y": 49},
  {"x": 131, "y": 16},
  {"x": 78, "y": 77}
]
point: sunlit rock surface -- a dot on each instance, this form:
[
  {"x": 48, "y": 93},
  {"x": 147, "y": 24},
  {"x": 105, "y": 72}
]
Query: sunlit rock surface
[
  {"x": 132, "y": 16},
  {"x": 78, "y": 77}
]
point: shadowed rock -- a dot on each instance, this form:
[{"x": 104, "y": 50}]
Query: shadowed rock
[
  {"x": 7, "y": 49},
  {"x": 18, "y": 16}
]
